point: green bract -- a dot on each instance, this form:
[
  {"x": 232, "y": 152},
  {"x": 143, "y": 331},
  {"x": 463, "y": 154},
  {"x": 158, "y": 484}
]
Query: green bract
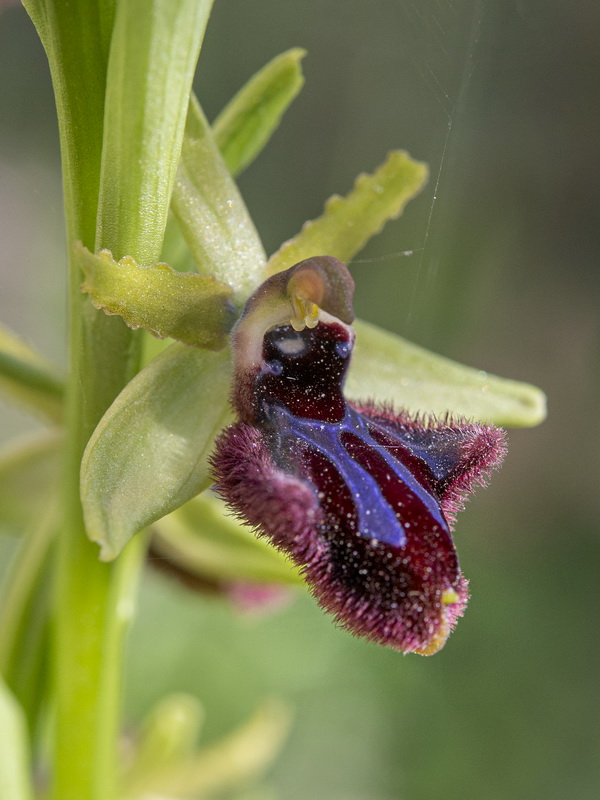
[{"x": 152, "y": 60}]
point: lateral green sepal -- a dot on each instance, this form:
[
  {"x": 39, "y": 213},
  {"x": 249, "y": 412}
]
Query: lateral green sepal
[
  {"x": 228, "y": 765},
  {"x": 388, "y": 369}
]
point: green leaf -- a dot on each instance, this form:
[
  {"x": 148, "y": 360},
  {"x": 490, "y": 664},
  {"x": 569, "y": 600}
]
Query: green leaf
[
  {"x": 246, "y": 123},
  {"x": 28, "y": 377},
  {"x": 388, "y": 369},
  {"x": 349, "y": 222},
  {"x": 29, "y": 471},
  {"x": 211, "y": 213},
  {"x": 14, "y": 749},
  {"x": 153, "y": 56},
  {"x": 210, "y": 544},
  {"x": 149, "y": 454},
  {"x": 192, "y": 309}
]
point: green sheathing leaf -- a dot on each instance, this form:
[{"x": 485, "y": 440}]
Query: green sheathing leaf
[
  {"x": 349, "y": 222},
  {"x": 149, "y": 453},
  {"x": 192, "y": 309},
  {"x": 246, "y": 123},
  {"x": 28, "y": 377},
  {"x": 154, "y": 51},
  {"x": 212, "y": 215},
  {"x": 29, "y": 472},
  {"x": 14, "y": 749},
  {"x": 210, "y": 544},
  {"x": 388, "y": 369}
]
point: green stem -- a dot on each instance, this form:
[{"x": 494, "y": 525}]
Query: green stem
[
  {"x": 88, "y": 659},
  {"x": 87, "y": 630}
]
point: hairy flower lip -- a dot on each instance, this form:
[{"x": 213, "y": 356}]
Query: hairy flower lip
[
  {"x": 360, "y": 497},
  {"x": 286, "y": 509}
]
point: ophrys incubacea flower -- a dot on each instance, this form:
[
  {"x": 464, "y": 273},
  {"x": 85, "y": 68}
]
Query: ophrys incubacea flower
[{"x": 361, "y": 498}]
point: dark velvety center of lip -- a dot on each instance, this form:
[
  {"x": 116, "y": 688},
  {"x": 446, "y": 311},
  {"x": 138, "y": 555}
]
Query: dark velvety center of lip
[{"x": 304, "y": 370}]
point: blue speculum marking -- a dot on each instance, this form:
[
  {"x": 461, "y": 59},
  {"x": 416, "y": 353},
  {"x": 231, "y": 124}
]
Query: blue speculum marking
[
  {"x": 377, "y": 518},
  {"x": 304, "y": 412}
]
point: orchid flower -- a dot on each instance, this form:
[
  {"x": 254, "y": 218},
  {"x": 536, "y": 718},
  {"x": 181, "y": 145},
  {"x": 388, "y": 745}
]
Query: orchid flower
[{"x": 361, "y": 498}]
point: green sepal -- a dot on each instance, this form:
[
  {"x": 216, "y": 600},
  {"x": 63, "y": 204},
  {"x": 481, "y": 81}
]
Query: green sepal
[
  {"x": 14, "y": 749},
  {"x": 26, "y": 376},
  {"x": 190, "y": 308},
  {"x": 211, "y": 545},
  {"x": 245, "y": 125},
  {"x": 387, "y": 369},
  {"x": 348, "y": 223},
  {"x": 29, "y": 472},
  {"x": 211, "y": 213},
  {"x": 149, "y": 453}
]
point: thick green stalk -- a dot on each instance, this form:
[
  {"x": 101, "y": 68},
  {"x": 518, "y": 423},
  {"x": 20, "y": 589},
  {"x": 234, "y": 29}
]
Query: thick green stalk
[{"x": 121, "y": 119}]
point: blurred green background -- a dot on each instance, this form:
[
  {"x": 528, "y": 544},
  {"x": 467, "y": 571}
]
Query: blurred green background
[{"x": 501, "y": 98}]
